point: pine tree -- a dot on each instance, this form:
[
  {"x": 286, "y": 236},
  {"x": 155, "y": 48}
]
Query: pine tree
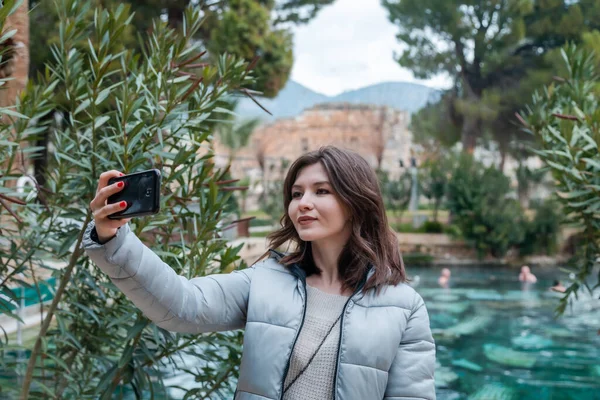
[{"x": 497, "y": 52}]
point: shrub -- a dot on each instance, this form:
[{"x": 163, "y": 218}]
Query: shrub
[
  {"x": 104, "y": 108},
  {"x": 432, "y": 227},
  {"x": 417, "y": 259},
  {"x": 541, "y": 233},
  {"x": 480, "y": 205},
  {"x": 395, "y": 192},
  {"x": 564, "y": 118},
  {"x": 433, "y": 180},
  {"x": 260, "y": 222}
]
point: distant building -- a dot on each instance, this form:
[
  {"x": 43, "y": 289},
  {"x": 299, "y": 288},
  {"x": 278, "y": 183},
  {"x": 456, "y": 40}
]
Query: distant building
[{"x": 379, "y": 133}]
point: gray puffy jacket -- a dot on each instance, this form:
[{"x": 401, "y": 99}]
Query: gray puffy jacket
[{"x": 386, "y": 349}]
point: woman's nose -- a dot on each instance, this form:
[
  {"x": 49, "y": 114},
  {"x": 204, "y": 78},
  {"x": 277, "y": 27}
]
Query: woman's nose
[{"x": 305, "y": 202}]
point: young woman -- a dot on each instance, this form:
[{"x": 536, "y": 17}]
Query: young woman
[{"x": 332, "y": 319}]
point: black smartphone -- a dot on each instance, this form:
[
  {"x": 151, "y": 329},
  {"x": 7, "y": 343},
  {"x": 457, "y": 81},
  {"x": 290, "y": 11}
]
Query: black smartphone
[{"x": 141, "y": 192}]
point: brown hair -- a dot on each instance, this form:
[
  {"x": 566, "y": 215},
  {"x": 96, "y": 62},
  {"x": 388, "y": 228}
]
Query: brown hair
[{"x": 372, "y": 242}]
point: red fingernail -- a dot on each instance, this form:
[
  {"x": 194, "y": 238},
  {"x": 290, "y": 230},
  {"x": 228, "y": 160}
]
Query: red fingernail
[
  {"x": 121, "y": 174},
  {"x": 120, "y": 184},
  {"x": 122, "y": 204}
]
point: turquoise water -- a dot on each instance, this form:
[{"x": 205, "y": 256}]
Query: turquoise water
[
  {"x": 30, "y": 295},
  {"x": 496, "y": 338}
]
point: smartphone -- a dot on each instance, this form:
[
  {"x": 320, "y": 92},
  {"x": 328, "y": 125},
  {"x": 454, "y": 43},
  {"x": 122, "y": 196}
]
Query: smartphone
[{"x": 141, "y": 192}]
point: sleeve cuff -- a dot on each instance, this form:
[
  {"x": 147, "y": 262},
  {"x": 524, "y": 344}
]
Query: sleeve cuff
[
  {"x": 95, "y": 238},
  {"x": 91, "y": 240}
]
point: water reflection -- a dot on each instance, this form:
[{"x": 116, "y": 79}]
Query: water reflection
[{"x": 497, "y": 337}]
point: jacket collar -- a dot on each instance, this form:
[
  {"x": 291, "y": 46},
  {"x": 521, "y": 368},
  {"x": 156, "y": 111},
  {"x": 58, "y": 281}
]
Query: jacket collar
[
  {"x": 299, "y": 273},
  {"x": 294, "y": 269}
]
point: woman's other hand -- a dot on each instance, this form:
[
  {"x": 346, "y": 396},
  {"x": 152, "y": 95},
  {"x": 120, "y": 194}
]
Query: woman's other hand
[{"x": 107, "y": 228}]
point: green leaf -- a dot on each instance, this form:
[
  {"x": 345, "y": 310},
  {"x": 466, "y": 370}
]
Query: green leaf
[
  {"x": 226, "y": 111},
  {"x": 57, "y": 360},
  {"x": 583, "y": 203},
  {"x": 126, "y": 357},
  {"x": 68, "y": 242},
  {"x": 102, "y": 96},
  {"x": 12, "y": 113},
  {"x": 136, "y": 329},
  {"x": 88, "y": 311},
  {"x": 595, "y": 164},
  {"x": 45, "y": 389},
  {"x": 98, "y": 122},
  {"x": 8, "y": 35},
  {"x": 106, "y": 379},
  {"x": 8, "y": 8},
  {"x": 123, "y": 318},
  {"x": 71, "y": 159},
  {"x": 82, "y": 106},
  {"x": 572, "y": 195},
  {"x": 556, "y": 134},
  {"x": 591, "y": 142}
]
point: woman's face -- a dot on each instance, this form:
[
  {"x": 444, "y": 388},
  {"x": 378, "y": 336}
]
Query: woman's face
[{"x": 315, "y": 210}]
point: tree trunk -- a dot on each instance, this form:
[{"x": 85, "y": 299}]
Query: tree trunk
[
  {"x": 469, "y": 133},
  {"x": 503, "y": 141},
  {"x": 436, "y": 207},
  {"x": 175, "y": 12},
  {"x": 17, "y": 65},
  {"x": 523, "y": 194},
  {"x": 502, "y": 158},
  {"x": 471, "y": 128}
]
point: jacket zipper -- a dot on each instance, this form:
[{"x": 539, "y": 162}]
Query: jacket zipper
[
  {"x": 337, "y": 362},
  {"x": 287, "y": 367},
  {"x": 337, "y": 358}
]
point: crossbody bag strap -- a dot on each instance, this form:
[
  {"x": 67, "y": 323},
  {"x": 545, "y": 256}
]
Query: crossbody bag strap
[{"x": 313, "y": 356}]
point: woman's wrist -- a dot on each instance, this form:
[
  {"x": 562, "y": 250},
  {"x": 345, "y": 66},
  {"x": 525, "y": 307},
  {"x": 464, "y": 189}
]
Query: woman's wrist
[{"x": 100, "y": 239}]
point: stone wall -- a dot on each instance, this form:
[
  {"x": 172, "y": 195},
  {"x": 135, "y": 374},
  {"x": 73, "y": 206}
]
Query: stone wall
[
  {"x": 379, "y": 134},
  {"x": 441, "y": 247},
  {"x": 15, "y": 65}
]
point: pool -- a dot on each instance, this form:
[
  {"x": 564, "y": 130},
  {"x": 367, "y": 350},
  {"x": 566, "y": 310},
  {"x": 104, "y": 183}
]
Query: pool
[{"x": 496, "y": 338}]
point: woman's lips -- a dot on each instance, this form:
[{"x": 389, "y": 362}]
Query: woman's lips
[{"x": 306, "y": 220}]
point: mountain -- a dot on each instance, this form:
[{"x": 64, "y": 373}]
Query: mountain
[
  {"x": 406, "y": 96},
  {"x": 290, "y": 101},
  {"x": 294, "y": 98}
]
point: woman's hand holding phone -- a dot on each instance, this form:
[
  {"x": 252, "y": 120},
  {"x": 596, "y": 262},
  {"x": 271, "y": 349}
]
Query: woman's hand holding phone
[{"x": 105, "y": 227}]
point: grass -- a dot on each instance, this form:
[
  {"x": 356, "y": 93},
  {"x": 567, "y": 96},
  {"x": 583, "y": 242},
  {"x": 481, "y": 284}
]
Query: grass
[
  {"x": 417, "y": 258},
  {"x": 260, "y": 222},
  {"x": 259, "y": 214},
  {"x": 408, "y": 216},
  {"x": 29, "y": 335},
  {"x": 259, "y": 234}
]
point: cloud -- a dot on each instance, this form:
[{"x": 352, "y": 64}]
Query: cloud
[{"x": 350, "y": 45}]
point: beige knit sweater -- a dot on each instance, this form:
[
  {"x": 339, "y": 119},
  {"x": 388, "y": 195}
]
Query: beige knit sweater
[{"x": 316, "y": 383}]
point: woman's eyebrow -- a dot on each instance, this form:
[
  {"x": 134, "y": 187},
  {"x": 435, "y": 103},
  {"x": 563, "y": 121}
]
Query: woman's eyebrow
[{"x": 314, "y": 184}]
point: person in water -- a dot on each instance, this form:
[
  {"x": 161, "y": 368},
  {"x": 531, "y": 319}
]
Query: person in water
[
  {"x": 332, "y": 319},
  {"x": 444, "y": 279},
  {"x": 526, "y": 275},
  {"x": 557, "y": 286}
]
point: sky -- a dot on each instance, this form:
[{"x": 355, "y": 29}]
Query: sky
[{"x": 350, "y": 45}]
